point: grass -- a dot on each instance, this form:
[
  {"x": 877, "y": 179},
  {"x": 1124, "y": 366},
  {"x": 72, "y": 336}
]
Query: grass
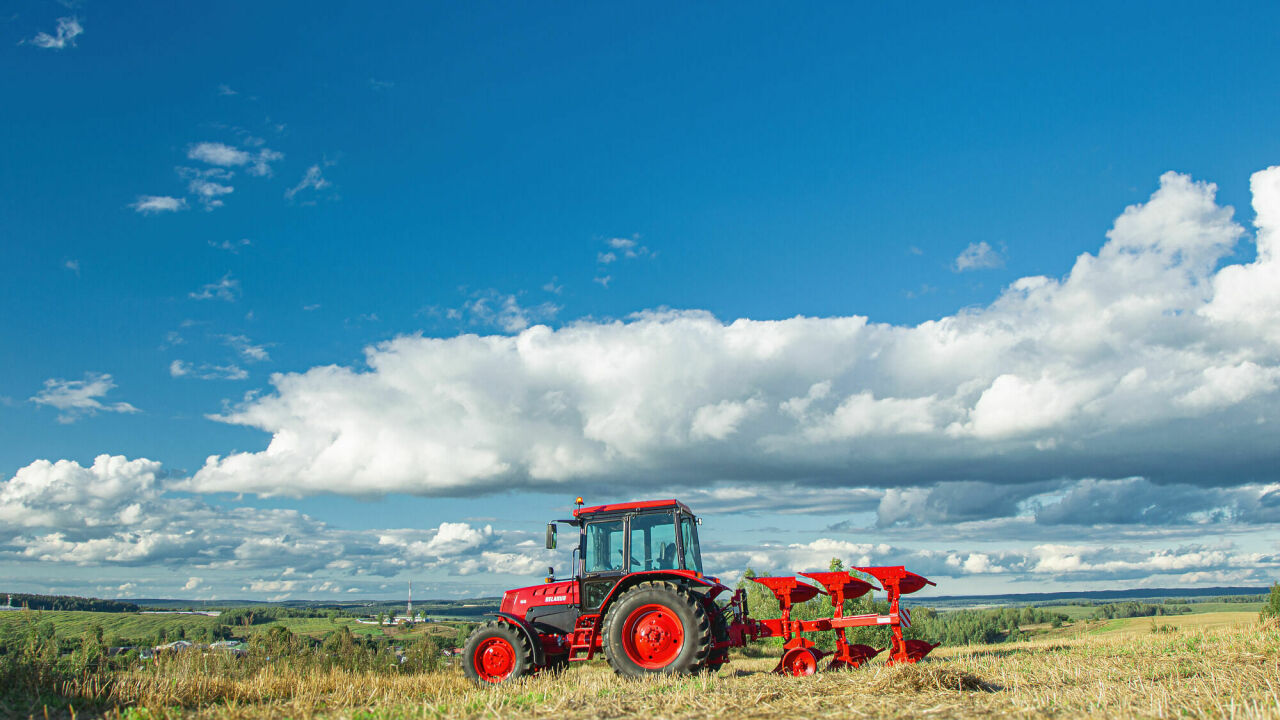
[{"x": 1215, "y": 668}]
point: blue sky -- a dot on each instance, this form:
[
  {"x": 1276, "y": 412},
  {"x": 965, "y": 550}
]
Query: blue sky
[{"x": 506, "y": 255}]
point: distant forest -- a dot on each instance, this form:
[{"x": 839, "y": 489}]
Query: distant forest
[{"x": 69, "y": 602}]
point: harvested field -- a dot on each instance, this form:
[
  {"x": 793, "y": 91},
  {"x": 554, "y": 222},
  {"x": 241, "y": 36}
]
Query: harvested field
[{"x": 1207, "y": 671}]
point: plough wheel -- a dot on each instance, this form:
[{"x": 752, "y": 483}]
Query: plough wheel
[
  {"x": 799, "y": 662},
  {"x": 656, "y": 627}
]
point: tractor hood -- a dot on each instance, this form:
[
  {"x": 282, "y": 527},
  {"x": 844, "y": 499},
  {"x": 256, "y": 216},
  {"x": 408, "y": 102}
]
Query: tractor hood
[{"x": 518, "y": 602}]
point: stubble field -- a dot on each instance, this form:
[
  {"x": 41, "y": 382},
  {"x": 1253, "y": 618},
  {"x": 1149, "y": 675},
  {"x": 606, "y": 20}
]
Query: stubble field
[{"x": 1214, "y": 665}]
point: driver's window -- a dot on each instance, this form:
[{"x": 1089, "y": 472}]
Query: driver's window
[
  {"x": 604, "y": 547},
  {"x": 653, "y": 542}
]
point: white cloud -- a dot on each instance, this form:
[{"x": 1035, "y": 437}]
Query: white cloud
[
  {"x": 231, "y": 246},
  {"x": 124, "y": 513},
  {"x": 1186, "y": 565},
  {"x": 228, "y": 288},
  {"x": 219, "y": 154},
  {"x": 206, "y": 371},
  {"x": 73, "y": 266},
  {"x": 246, "y": 348},
  {"x": 64, "y": 494},
  {"x": 505, "y": 312},
  {"x": 76, "y": 398},
  {"x": 978, "y": 256},
  {"x": 153, "y": 204},
  {"x": 313, "y": 179},
  {"x": 629, "y": 248},
  {"x": 619, "y": 249},
  {"x": 209, "y": 192},
  {"x": 222, "y": 155},
  {"x": 1137, "y": 362},
  {"x": 64, "y": 35}
]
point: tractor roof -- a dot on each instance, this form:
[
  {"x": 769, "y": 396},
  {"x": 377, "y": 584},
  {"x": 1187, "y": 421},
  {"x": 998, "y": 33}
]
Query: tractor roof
[{"x": 624, "y": 507}]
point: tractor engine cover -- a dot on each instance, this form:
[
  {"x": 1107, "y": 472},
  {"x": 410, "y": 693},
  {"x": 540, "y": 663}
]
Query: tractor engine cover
[{"x": 520, "y": 601}]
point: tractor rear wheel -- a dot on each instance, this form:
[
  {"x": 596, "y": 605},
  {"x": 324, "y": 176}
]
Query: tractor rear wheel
[
  {"x": 496, "y": 652},
  {"x": 657, "y": 628}
]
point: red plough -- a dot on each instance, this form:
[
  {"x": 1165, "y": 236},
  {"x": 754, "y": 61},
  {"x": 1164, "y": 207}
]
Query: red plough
[{"x": 800, "y": 655}]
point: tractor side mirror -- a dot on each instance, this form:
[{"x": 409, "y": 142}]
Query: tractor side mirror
[{"x": 551, "y": 536}]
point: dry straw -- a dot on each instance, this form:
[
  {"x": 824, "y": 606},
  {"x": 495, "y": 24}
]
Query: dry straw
[{"x": 1229, "y": 672}]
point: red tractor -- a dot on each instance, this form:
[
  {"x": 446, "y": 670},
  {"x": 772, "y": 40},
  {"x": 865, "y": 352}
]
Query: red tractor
[{"x": 639, "y": 595}]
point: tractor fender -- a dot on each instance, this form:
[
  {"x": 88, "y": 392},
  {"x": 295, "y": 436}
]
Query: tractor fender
[
  {"x": 684, "y": 578},
  {"x": 535, "y": 643}
]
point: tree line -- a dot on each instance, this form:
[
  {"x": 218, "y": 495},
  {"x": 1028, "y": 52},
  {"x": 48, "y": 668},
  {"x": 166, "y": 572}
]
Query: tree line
[{"x": 71, "y": 602}]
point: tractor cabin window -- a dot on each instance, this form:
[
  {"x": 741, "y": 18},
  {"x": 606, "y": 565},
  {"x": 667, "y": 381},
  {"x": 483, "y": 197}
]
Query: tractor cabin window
[
  {"x": 653, "y": 542},
  {"x": 689, "y": 539},
  {"x": 604, "y": 547}
]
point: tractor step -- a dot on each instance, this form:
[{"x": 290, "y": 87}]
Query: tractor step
[{"x": 583, "y": 644}]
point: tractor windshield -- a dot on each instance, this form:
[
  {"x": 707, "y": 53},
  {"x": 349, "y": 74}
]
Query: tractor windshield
[{"x": 689, "y": 539}]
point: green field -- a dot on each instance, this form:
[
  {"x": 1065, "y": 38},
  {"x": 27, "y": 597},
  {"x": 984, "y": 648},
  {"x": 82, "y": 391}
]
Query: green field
[
  {"x": 72, "y": 624},
  {"x": 136, "y": 627}
]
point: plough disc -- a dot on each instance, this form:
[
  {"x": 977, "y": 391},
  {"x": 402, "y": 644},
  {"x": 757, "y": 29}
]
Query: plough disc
[
  {"x": 789, "y": 590},
  {"x": 913, "y": 651},
  {"x": 858, "y": 656},
  {"x": 841, "y": 585}
]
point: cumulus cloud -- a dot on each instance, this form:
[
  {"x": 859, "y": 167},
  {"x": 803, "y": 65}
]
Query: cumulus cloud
[
  {"x": 63, "y": 36},
  {"x": 74, "y": 399},
  {"x": 154, "y": 204},
  {"x": 1136, "y": 363},
  {"x": 124, "y": 513},
  {"x": 978, "y": 256}
]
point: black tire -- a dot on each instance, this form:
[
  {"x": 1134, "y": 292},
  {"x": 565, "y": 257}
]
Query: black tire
[
  {"x": 695, "y": 627},
  {"x": 719, "y": 634},
  {"x": 492, "y": 634}
]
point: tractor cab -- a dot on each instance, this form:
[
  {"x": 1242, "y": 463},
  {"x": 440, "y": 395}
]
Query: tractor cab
[{"x": 621, "y": 539}]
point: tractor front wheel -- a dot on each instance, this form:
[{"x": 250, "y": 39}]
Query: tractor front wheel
[
  {"x": 657, "y": 628},
  {"x": 496, "y": 652}
]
